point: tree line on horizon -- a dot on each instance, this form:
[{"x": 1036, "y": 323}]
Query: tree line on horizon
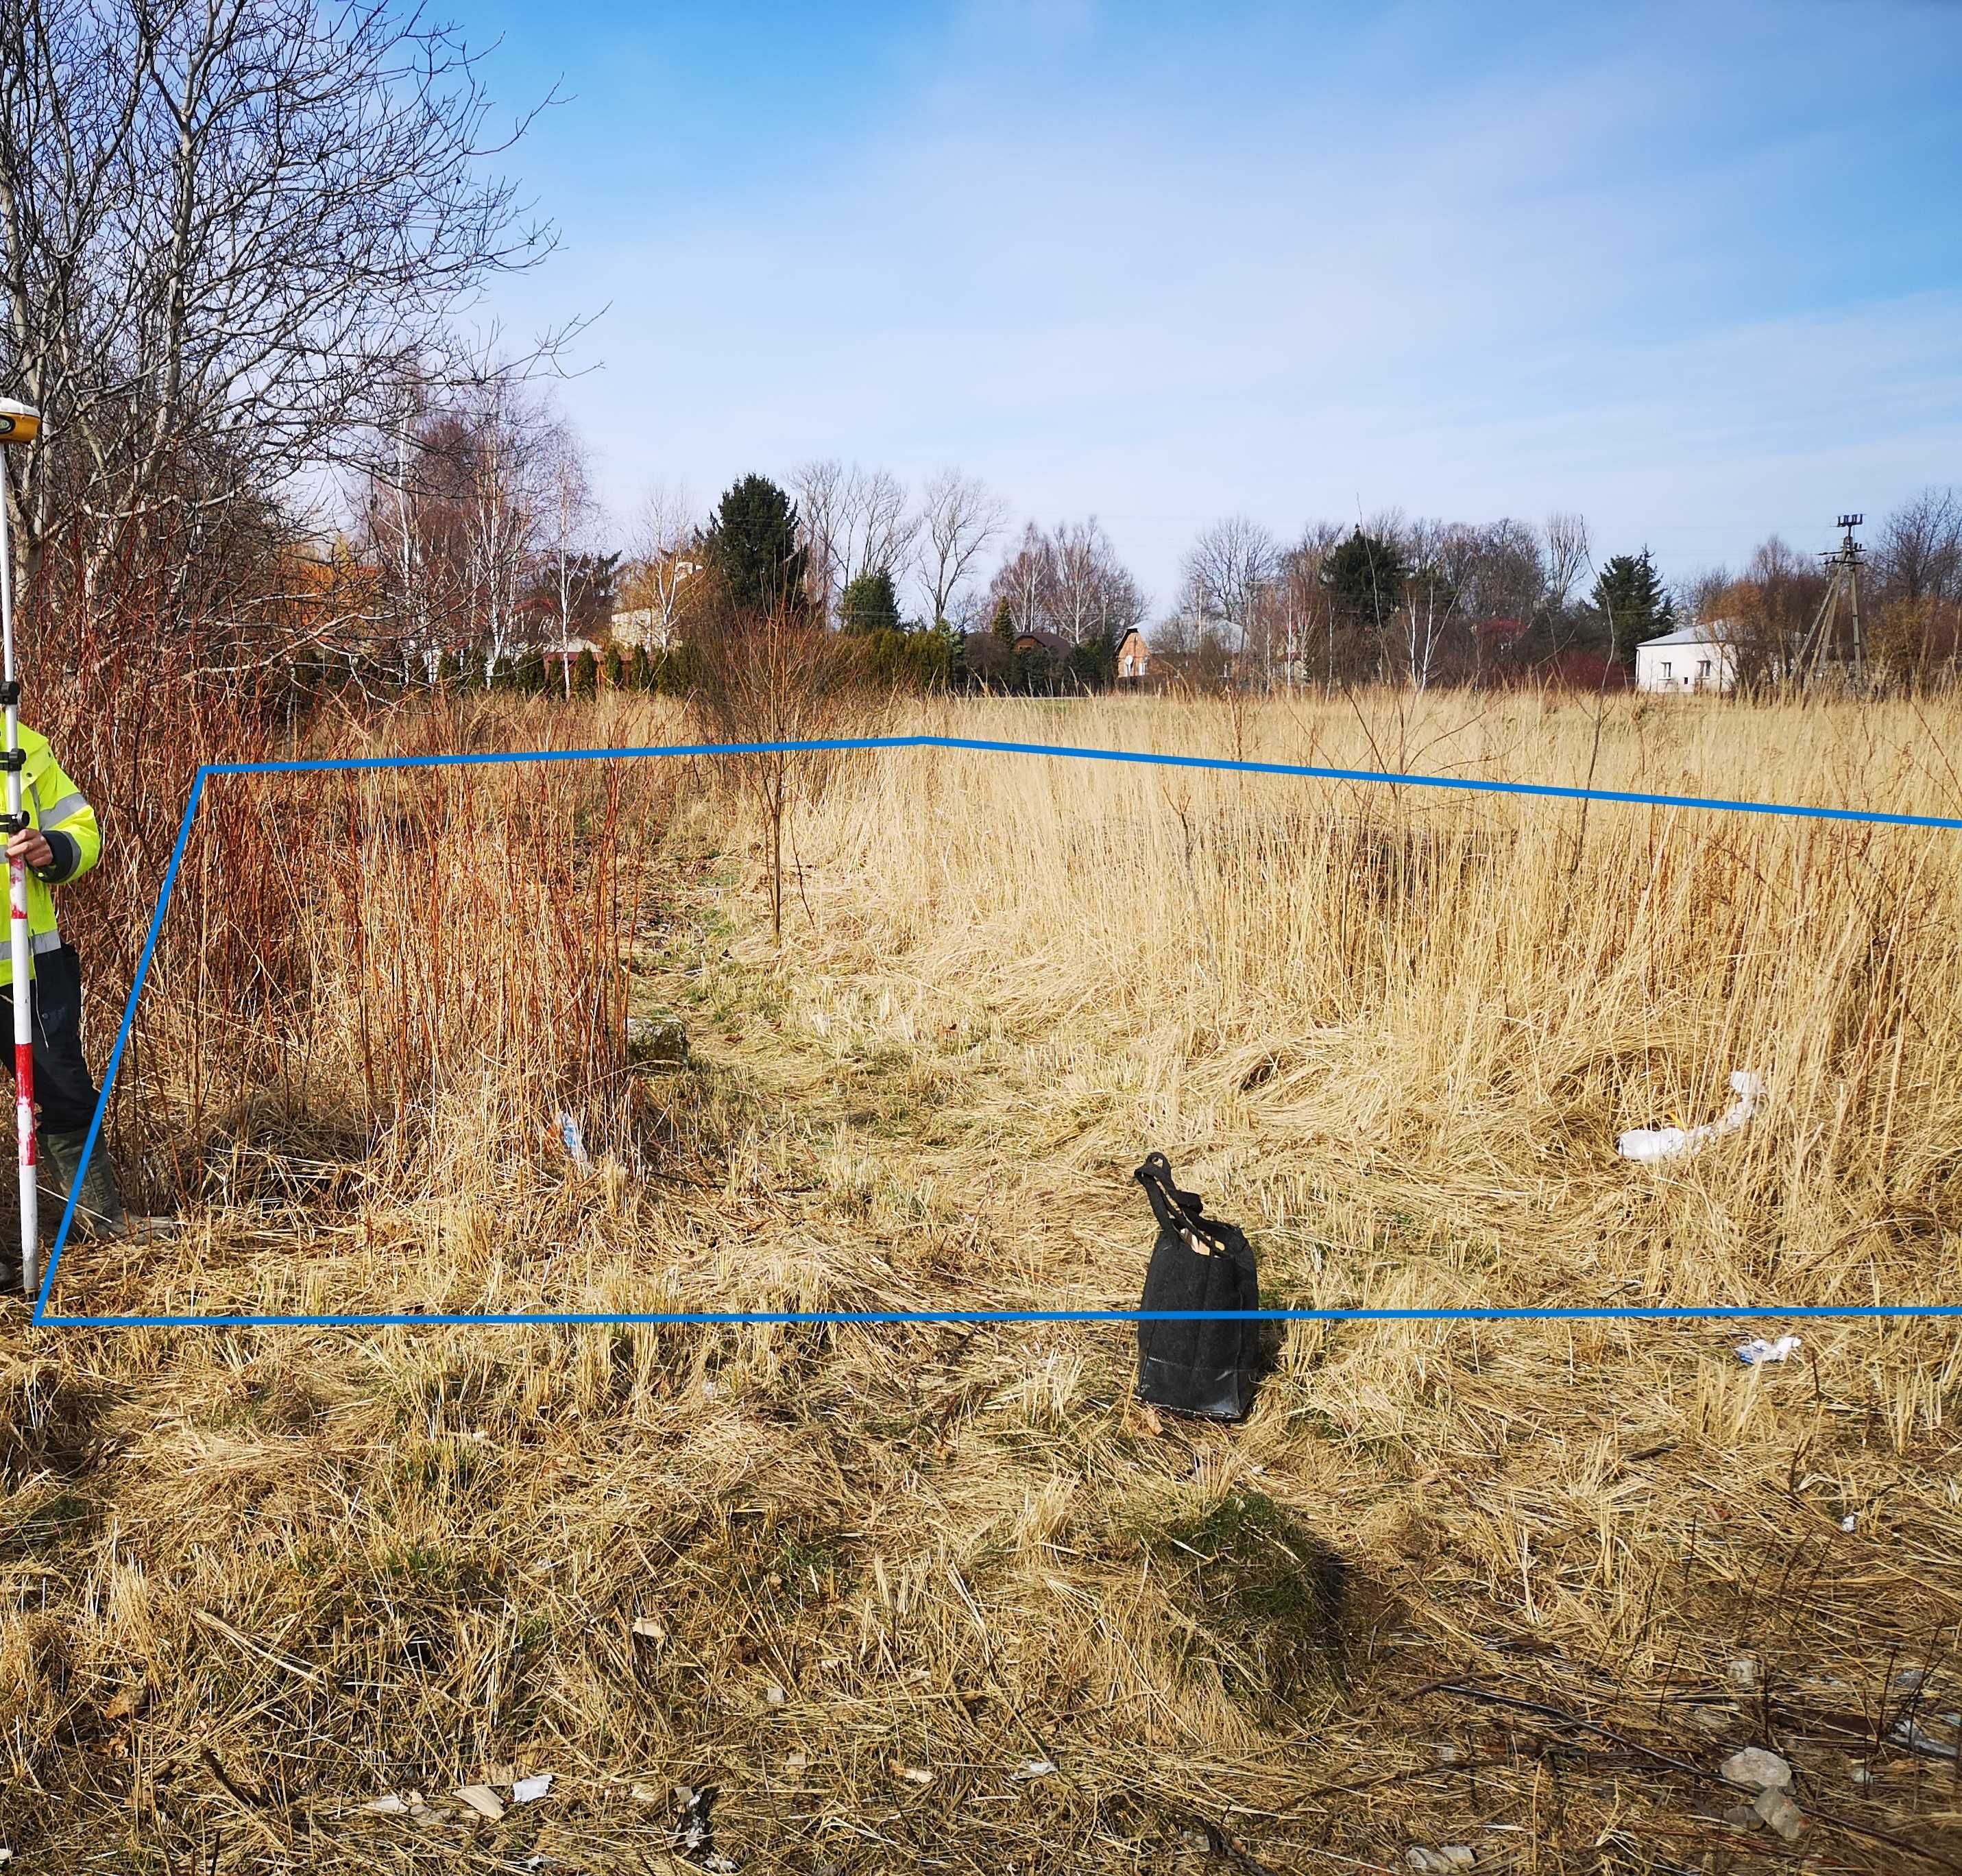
[{"x": 1421, "y": 603}]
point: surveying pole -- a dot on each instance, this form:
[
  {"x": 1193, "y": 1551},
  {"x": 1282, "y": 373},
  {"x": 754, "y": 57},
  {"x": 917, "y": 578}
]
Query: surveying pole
[{"x": 19, "y": 423}]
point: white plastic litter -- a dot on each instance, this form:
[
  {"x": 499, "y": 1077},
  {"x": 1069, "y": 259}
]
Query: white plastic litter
[
  {"x": 482, "y": 1800},
  {"x": 1650, "y": 1144},
  {"x": 1916, "y": 1740},
  {"x": 391, "y": 1805},
  {"x": 529, "y": 1791},
  {"x": 1034, "y": 1768},
  {"x": 1756, "y": 1352},
  {"x": 575, "y": 1143}
]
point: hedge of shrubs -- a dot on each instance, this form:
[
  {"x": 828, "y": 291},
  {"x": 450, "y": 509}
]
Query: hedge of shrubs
[{"x": 927, "y": 660}]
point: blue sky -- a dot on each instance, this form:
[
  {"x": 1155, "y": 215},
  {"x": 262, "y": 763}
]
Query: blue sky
[{"x": 1693, "y": 270}]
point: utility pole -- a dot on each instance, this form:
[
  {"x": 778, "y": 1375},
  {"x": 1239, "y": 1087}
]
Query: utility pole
[
  {"x": 1843, "y": 585},
  {"x": 20, "y": 424}
]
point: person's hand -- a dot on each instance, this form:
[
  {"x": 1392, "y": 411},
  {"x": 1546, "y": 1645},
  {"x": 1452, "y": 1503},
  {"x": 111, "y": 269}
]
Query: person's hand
[{"x": 31, "y": 846}]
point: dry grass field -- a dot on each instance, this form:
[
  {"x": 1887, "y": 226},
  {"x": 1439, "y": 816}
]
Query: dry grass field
[{"x": 942, "y": 1598}]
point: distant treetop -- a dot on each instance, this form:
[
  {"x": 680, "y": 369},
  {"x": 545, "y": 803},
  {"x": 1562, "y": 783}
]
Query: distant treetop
[
  {"x": 753, "y": 545},
  {"x": 1630, "y": 596},
  {"x": 1364, "y": 578},
  {"x": 870, "y": 604}
]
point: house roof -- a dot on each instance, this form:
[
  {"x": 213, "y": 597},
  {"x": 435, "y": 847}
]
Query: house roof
[
  {"x": 1715, "y": 631},
  {"x": 1048, "y": 641}
]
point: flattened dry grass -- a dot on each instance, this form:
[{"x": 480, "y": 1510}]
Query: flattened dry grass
[{"x": 1519, "y": 1586}]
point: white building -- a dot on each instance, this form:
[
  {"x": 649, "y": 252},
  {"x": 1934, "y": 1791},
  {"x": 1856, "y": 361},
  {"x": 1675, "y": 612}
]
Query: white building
[
  {"x": 642, "y": 629},
  {"x": 1692, "y": 658}
]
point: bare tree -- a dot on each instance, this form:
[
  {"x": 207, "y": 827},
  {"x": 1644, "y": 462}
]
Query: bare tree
[
  {"x": 1024, "y": 581},
  {"x": 1196, "y": 648},
  {"x": 1919, "y": 555},
  {"x": 779, "y": 678},
  {"x": 877, "y": 536},
  {"x": 959, "y": 519},
  {"x": 1309, "y": 613},
  {"x": 1568, "y": 556},
  {"x": 233, "y": 231},
  {"x": 1697, "y": 595},
  {"x": 819, "y": 488},
  {"x": 855, "y": 521},
  {"x": 569, "y": 512},
  {"x": 1503, "y": 572},
  {"x": 1092, "y": 599},
  {"x": 456, "y": 522},
  {"x": 1180, "y": 631},
  {"x": 1228, "y": 571},
  {"x": 1771, "y": 610},
  {"x": 1443, "y": 557},
  {"x": 1069, "y": 583},
  {"x": 666, "y": 549}
]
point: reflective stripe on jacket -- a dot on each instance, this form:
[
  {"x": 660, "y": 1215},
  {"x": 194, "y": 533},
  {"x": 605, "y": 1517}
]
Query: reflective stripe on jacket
[{"x": 54, "y": 804}]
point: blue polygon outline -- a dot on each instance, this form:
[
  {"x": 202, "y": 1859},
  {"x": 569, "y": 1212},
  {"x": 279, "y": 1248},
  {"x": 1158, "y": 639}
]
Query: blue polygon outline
[{"x": 1710, "y": 1312}]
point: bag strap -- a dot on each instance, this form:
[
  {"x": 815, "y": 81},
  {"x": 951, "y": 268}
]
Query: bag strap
[{"x": 1179, "y": 1211}]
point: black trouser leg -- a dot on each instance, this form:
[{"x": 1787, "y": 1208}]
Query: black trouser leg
[
  {"x": 65, "y": 1093},
  {"x": 64, "y": 1090}
]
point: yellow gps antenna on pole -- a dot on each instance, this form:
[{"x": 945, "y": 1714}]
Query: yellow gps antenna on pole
[{"x": 19, "y": 423}]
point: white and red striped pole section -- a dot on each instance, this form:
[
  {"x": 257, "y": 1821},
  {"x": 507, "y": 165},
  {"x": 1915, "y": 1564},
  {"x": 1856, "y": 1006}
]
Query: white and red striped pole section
[{"x": 17, "y": 934}]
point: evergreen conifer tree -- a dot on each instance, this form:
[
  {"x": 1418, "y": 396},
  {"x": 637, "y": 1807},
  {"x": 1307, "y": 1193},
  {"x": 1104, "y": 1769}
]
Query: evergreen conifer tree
[
  {"x": 870, "y": 604},
  {"x": 1364, "y": 578},
  {"x": 1633, "y": 605},
  {"x": 752, "y": 545}
]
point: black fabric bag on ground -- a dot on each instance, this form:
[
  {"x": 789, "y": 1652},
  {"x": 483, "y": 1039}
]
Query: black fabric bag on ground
[{"x": 1208, "y": 1369}]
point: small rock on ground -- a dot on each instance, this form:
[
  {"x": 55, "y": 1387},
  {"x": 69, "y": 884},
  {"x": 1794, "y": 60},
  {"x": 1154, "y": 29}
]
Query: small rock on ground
[
  {"x": 1757, "y": 1770},
  {"x": 1781, "y": 1813}
]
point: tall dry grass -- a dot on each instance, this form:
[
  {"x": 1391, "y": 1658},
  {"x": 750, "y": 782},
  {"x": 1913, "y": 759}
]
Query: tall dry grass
[
  {"x": 1454, "y": 1002},
  {"x": 1517, "y": 1586}
]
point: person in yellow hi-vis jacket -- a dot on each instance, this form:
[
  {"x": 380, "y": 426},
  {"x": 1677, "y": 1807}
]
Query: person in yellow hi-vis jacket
[{"x": 62, "y": 840}]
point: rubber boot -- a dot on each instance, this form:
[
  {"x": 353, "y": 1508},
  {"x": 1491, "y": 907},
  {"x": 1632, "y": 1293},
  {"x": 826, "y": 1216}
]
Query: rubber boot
[{"x": 98, "y": 1212}]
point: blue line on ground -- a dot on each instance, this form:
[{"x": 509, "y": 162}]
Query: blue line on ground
[
  {"x": 1719, "y": 1312},
  {"x": 496, "y": 758},
  {"x": 1464, "y": 783}
]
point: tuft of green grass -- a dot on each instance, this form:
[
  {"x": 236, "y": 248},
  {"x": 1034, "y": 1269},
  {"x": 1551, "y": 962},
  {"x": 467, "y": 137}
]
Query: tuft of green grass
[{"x": 1267, "y": 1591}]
